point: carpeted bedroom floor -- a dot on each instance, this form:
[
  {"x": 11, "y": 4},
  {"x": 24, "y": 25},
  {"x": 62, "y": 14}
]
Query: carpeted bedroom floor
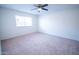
[{"x": 39, "y": 44}]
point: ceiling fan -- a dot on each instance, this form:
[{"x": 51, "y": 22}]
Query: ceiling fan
[{"x": 40, "y": 7}]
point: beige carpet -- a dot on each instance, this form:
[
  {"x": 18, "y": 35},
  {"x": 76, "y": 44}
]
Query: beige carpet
[{"x": 39, "y": 44}]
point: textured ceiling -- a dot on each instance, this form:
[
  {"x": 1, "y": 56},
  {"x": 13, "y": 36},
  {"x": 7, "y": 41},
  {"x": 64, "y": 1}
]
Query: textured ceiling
[{"x": 51, "y": 7}]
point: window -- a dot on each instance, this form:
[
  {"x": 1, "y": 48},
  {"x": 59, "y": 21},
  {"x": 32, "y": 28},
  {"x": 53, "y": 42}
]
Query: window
[{"x": 23, "y": 21}]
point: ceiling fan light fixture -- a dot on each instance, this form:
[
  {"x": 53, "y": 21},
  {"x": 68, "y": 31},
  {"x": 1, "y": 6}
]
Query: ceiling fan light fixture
[{"x": 39, "y": 9}]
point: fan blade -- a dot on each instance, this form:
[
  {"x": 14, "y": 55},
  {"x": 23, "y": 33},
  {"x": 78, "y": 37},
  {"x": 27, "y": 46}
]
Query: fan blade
[
  {"x": 45, "y": 5},
  {"x": 45, "y": 9},
  {"x": 38, "y": 5}
]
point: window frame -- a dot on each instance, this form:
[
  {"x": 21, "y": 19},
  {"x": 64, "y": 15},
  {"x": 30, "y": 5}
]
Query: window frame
[{"x": 22, "y": 21}]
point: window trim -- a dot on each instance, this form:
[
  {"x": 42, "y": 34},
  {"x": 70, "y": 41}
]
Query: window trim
[{"x": 22, "y": 21}]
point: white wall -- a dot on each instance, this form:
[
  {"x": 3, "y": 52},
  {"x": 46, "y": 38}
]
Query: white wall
[
  {"x": 61, "y": 23},
  {"x": 0, "y": 47},
  {"x": 8, "y": 27}
]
